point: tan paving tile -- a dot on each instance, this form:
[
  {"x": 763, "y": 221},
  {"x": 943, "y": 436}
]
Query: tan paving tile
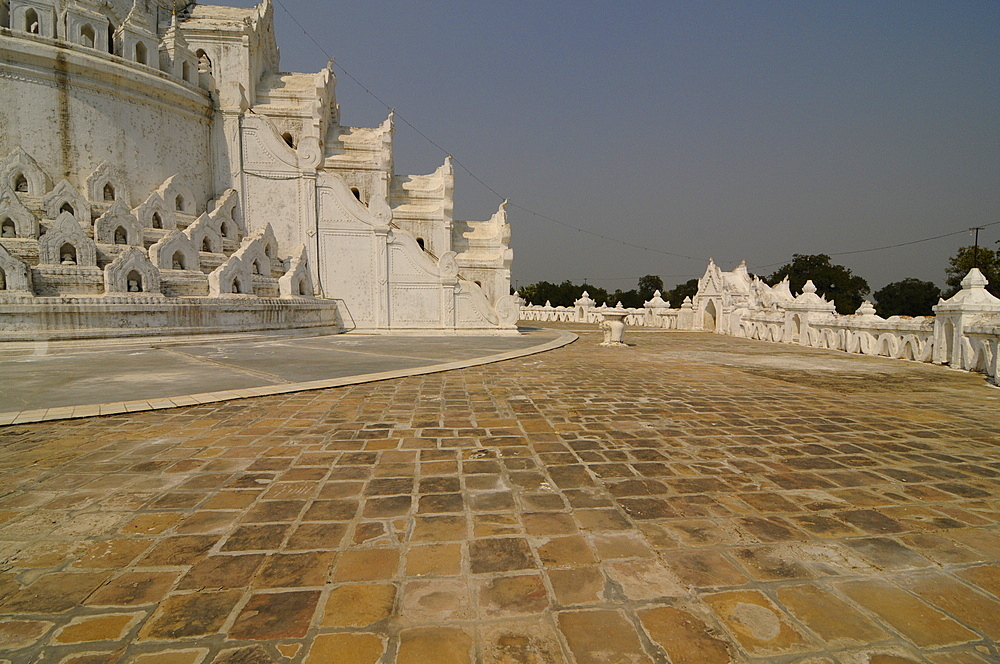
[
  {"x": 434, "y": 560},
  {"x": 580, "y": 585},
  {"x": 17, "y": 634},
  {"x": 195, "y": 614},
  {"x": 510, "y": 596},
  {"x": 359, "y": 648},
  {"x": 53, "y": 593},
  {"x": 133, "y": 589},
  {"x": 499, "y": 555},
  {"x": 686, "y": 638},
  {"x": 703, "y": 568},
  {"x": 914, "y": 618},
  {"x": 105, "y": 627},
  {"x": 172, "y": 656},
  {"x": 507, "y": 641},
  {"x": 358, "y": 605},
  {"x": 279, "y": 615},
  {"x": 986, "y": 577},
  {"x": 974, "y": 609},
  {"x": 598, "y": 637},
  {"x": 293, "y": 570},
  {"x": 829, "y": 616},
  {"x": 366, "y": 565},
  {"x": 861, "y": 512},
  {"x": 446, "y": 645},
  {"x": 757, "y": 623},
  {"x": 233, "y": 571}
]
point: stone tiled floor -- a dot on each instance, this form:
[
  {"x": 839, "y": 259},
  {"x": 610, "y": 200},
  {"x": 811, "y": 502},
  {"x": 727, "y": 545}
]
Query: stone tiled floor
[{"x": 691, "y": 499}]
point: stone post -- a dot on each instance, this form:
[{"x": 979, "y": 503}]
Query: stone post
[
  {"x": 953, "y": 315},
  {"x": 799, "y": 313}
]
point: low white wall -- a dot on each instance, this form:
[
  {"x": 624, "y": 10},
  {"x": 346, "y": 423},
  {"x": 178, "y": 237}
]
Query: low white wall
[{"x": 967, "y": 328}]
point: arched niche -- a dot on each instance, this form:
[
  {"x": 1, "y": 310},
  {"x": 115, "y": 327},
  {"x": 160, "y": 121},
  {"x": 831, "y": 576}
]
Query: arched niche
[
  {"x": 233, "y": 277},
  {"x": 64, "y": 197},
  {"x": 154, "y": 213},
  {"x": 16, "y": 220},
  {"x": 22, "y": 174},
  {"x": 131, "y": 265},
  {"x": 118, "y": 224},
  {"x": 16, "y": 276},
  {"x": 175, "y": 248},
  {"x": 66, "y": 237},
  {"x": 107, "y": 185}
]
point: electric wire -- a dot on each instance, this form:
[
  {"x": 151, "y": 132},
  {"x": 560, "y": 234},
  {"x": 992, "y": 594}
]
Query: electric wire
[{"x": 560, "y": 222}]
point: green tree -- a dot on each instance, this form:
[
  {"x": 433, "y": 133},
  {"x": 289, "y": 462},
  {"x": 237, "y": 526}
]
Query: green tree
[
  {"x": 909, "y": 297},
  {"x": 960, "y": 264},
  {"x": 561, "y": 295},
  {"x": 630, "y": 299},
  {"x": 649, "y": 285},
  {"x": 676, "y": 295},
  {"x": 836, "y": 282}
]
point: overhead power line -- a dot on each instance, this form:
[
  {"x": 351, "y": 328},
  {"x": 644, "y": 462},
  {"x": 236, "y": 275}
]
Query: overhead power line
[
  {"x": 888, "y": 246},
  {"x": 566, "y": 224},
  {"x": 459, "y": 163}
]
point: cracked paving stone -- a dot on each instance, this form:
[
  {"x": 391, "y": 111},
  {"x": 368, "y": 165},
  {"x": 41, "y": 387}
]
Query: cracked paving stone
[{"x": 706, "y": 499}]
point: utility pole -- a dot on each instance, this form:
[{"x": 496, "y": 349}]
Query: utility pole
[{"x": 975, "y": 250}]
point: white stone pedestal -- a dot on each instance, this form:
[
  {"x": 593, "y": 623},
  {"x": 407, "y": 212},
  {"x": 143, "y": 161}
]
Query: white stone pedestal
[{"x": 614, "y": 327}]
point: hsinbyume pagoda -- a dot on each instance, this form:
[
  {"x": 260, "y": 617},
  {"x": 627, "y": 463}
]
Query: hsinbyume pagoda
[{"x": 159, "y": 174}]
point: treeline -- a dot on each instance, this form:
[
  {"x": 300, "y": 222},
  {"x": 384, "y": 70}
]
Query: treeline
[
  {"x": 907, "y": 297},
  {"x": 566, "y": 293}
]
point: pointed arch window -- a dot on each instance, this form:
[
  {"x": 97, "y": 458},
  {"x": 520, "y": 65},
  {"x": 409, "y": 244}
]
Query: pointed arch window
[
  {"x": 87, "y": 36},
  {"x": 31, "y": 23}
]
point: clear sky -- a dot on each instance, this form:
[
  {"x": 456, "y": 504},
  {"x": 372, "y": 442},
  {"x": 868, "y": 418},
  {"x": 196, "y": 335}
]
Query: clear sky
[{"x": 725, "y": 129}]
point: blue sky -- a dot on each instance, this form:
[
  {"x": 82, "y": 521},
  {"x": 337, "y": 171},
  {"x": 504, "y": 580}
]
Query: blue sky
[{"x": 724, "y": 129}]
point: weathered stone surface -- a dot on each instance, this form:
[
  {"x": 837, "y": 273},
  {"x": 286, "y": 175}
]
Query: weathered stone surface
[
  {"x": 133, "y": 589},
  {"x": 434, "y": 644},
  {"x": 512, "y": 596},
  {"x": 436, "y": 601},
  {"x": 107, "y": 627},
  {"x": 683, "y": 636},
  {"x": 195, "y": 614},
  {"x": 704, "y": 568},
  {"x": 581, "y": 585},
  {"x": 358, "y": 605},
  {"x": 345, "y": 649},
  {"x": 499, "y": 555},
  {"x": 519, "y": 642},
  {"x": 600, "y": 637},
  {"x": 17, "y": 634},
  {"x": 366, "y": 565},
  {"x": 926, "y": 594},
  {"x": 53, "y": 593},
  {"x": 974, "y": 609},
  {"x": 759, "y": 626},
  {"x": 833, "y": 619},
  {"x": 279, "y": 615},
  {"x": 172, "y": 656},
  {"x": 434, "y": 560},
  {"x": 642, "y": 579},
  {"x": 917, "y": 620},
  {"x": 566, "y": 551}
]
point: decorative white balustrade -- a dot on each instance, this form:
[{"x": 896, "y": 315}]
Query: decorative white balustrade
[{"x": 964, "y": 333}]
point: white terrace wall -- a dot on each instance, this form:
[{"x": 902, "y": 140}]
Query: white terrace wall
[
  {"x": 73, "y": 108},
  {"x": 964, "y": 333}
]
